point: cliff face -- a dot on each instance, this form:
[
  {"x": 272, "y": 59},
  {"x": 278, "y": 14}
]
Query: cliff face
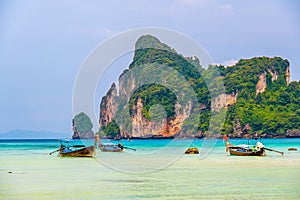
[
  {"x": 288, "y": 75},
  {"x": 108, "y": 106},
  {"x": 274, "y": 74},
  {"x": 262, "y": 79},
  {"x": 261, "y": 84},
  {"x": 141, "y": 127},
  {"x": 250, "y": 87},
  {"x": 223, "y": 101},
  {"x": 266, "y": 72},
  {"x": 133, "y": 121}
]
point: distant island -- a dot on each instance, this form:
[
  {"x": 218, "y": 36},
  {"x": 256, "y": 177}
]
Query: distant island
[{"x": 259, "y": 98}]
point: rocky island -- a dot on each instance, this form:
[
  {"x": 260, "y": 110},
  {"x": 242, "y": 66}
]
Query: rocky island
[{"x": 258, "y": 99}]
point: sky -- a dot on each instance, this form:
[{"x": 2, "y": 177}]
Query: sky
[{"x": 44, "y": 43}]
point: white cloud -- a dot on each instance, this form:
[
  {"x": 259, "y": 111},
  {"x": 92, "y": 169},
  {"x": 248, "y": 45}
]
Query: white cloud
[{"x": 230, "y": 62}]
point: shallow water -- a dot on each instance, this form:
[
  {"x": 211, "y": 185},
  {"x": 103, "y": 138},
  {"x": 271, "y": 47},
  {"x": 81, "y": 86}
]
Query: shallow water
[{"x": 158, "y": 169}]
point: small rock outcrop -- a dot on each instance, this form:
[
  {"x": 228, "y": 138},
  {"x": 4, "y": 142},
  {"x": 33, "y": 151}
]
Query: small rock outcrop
[
  {"x": 82, "y": 127},
  {"x": 192, "y": 150},
  {"x": 292, "y": 133},
  {"x": 292, "y": 149}
]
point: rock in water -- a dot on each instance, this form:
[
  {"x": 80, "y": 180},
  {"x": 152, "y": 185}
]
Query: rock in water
[
  {"x": 192, "y": 150},
  {"x": 292, "y": 149}
]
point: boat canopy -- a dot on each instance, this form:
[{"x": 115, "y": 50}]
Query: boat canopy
[
  {"x": 245, "y": 146},
  {"x": 71, "y": 142}
]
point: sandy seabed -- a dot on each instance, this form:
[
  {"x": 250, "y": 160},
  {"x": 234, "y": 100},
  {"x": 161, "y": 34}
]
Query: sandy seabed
[{"x": 36, "y": 175}]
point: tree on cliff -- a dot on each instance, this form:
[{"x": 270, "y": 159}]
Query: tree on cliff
[{"x": 111, "y": 130}]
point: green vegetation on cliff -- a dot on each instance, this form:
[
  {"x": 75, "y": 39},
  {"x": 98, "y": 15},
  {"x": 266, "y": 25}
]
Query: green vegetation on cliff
[
  {"x": 244, "y": 75},
  {"x": 112, "y": 129},
  {"x": 151, "y": 95},
  {"x": 275, "y": 110}
]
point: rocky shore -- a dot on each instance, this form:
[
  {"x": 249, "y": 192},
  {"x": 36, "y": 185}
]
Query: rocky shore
[{"x": 295, "y": 133}]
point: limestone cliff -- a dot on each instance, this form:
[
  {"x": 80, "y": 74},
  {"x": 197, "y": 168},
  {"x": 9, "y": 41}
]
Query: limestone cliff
[
  {"x": 288, "y": 75},
  {"x": 141, "y": 127},
  {"x": 223, "y": 101},
  {"x": 252, "y": 88},
  {"x": 261, "y": 84},
  {"x": 108, "y": 106},
  {"x": 262, "y": 79},
  {"x": 118, "y": 102},
  {"x": 82, "y": 127},
  {"x": 273, "y": 74}
]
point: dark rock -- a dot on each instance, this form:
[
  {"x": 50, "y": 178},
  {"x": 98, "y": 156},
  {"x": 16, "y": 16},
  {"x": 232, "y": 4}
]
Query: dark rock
[
  {"x": 75, "y": 136},
  {"x": 200, "y": 135},
  {"x": 192, "y": 150},
  {"x": 279, "y": 136},
  {"x": 237, "y": 129},
  {"x": 292, "y": 133},
  {"x": 87, "y": 135}
]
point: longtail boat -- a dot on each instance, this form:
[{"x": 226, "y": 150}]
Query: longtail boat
[
  {"x": 71, "y": 148},
  {"x": 68, "y": 149},
  {"x": 76, "y": 151},
  {"x": 244, "y": 150},
  {"x": 110, "y": 147},
  {"x": 247, "y": 150}
]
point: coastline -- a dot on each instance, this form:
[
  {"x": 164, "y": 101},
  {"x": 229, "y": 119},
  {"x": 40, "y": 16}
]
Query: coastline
[
  {"x": 294, "y": 134},
  {"x": 211, "y": 136}
]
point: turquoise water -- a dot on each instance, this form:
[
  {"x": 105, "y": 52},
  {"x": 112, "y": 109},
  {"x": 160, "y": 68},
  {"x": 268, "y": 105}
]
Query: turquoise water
[
  {"x": 49, "y": 144},
  {"x": 158, "y": 169}
]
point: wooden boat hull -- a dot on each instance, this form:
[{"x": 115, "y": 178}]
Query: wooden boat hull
[
  {"x": 238, "y": 151},
  {"x": 84, "y": 152},
  {"x": 110, "y": 148}
]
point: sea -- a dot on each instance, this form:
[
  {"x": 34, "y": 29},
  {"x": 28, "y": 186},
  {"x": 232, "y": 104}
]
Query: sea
[{"x": 149, "y": 169}]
